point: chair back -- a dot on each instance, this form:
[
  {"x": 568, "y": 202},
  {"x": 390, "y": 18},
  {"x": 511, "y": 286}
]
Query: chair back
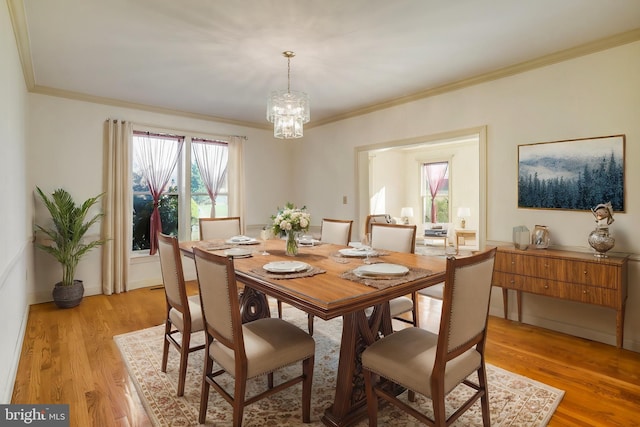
[
  {"x": 377, "y": 218},
  {"x": 219, "y": 228},
  {"x": 336, "y": 231},
  {"x": 219, "y": 298},
  {"x": 172, "y": 273},
  {"x": 393, "y": 237},
  {"x": 465, "y": 305}
]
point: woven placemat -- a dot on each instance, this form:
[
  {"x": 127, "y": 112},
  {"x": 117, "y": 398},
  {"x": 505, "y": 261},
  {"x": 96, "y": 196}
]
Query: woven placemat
[
  {"x": 214, "y": 247},
  {"x": 307, "y": 273},
  {"x": 387, "y": 282},
  {"x": 378, "y": 253}
]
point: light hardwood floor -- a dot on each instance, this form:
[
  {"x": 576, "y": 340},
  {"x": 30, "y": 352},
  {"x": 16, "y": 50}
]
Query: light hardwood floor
[{"x": 69, "y": 356}]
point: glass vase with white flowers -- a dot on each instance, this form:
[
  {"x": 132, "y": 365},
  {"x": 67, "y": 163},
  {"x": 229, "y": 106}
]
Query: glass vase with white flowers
[{"x": 291, "y": 221}]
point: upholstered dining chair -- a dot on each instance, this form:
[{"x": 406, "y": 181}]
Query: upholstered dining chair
[
  {"x": 184, "y": 315},
  {"x": 219, "y": 228},
  {"x": 336, "y": 231},
  {"x": 247, "y": 350},
  {"x": 377, "y": 218},
  {"x": 398, "y": 238},
  {"x": 433, "y": 365}
]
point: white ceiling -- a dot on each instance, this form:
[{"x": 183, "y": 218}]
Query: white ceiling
[{"x": 222, "y": 58}]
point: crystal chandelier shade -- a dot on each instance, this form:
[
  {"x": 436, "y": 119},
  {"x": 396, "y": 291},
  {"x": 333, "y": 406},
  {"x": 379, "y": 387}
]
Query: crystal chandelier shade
[{"x": 288, "y": 110}]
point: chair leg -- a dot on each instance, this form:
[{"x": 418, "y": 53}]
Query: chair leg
[
  {"x": 184, "y": 358},
  {"x": 372, "y": 398},
  {"x": 238, "y": 400},
  {"x": 484, "y": 399},
  {"x": 204, "y": 394},
  {"x": 307, "y": 371},
  {"x": 310, "y": 324},
  {"x": 270, "y": 380},
  {"x": 439, "y": 411},
  {"x": 165, "y": 348},
  {"x": 279, "y": 309},
  {"x": 416, "y": 310}
]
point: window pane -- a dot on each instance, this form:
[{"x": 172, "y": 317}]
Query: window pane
[
  {"x": 143, "y": 202},
  {"x": 142, "y": 208},
  {"x": 441, "y": 200},
  {"x": 209, "y": 162}
]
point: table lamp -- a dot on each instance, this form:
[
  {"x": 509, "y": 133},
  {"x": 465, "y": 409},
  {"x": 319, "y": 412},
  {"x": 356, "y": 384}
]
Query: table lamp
[
  {"x": 406, "y": 213},
  {"x": 462, "y": 214}
]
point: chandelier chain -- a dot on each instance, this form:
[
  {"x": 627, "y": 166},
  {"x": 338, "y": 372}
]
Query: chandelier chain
[{"x": 288, "y": 74}]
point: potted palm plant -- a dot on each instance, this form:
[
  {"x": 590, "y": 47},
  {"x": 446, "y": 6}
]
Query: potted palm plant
[{"x": 66, "y": 241}]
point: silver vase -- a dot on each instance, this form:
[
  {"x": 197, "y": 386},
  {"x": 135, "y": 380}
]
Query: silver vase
[{"x": 601, "y": 241}]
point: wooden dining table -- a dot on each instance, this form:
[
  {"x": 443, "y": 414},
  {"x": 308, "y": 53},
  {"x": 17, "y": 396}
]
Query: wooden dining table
[{"x": 330, "y": 290}]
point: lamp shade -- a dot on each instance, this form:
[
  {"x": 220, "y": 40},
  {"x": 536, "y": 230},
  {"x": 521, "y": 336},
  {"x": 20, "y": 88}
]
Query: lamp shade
[
  {"x": 464, "y": 212},
  {"x": 406, "y": 212}
]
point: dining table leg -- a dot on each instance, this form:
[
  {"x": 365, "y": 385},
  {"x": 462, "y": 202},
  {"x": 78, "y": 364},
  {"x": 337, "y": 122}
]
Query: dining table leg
[
  {"x": 358, "y": 332},
  {"x": 253, "y": 305}
]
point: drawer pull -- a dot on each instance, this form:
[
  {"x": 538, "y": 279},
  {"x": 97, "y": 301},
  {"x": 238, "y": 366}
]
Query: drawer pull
[
  {"x": 585, "y": 272},
  {"x": 546, "y": 286},
  {"x": 586, "y": 291}
]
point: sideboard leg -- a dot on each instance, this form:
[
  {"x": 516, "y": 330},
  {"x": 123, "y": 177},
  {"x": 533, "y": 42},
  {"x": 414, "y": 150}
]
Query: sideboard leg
[{"x": 505, "y": 302}]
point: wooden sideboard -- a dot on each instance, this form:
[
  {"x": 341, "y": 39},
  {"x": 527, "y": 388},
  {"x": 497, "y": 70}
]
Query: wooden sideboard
[{"x": 575, "y": 276}]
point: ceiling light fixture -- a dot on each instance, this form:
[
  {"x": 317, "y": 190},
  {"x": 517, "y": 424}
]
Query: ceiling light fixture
[{"x": 288, "y": 110}]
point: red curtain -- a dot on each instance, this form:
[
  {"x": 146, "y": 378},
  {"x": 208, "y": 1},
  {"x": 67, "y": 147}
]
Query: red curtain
[
  {"x": 157, "y": 156},
  {"x": 435, "y": 173}
]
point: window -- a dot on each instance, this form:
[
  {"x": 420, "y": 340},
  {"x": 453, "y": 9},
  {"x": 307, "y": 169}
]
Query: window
[
  {"x": 198, "y": 174},
  {"x": 435, "y": 192}
]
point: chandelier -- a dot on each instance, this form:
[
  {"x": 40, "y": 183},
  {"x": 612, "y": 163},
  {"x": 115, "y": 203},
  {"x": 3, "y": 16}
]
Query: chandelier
[{"x": 288, "y": 110}]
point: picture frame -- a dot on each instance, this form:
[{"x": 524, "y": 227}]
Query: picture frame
[{"x": 573, "y": 174}]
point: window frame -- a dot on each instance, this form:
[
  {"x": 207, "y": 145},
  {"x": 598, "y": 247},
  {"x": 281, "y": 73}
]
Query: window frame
[
  {"x": 183, "y": 175},
  {"x": 424, "y": 189}
]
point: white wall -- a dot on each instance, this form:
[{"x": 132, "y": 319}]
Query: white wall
[
  {"x": 15, "y": 248},
  {"x": 66, "y": 142},
  {"x": 594, "y": 95}
]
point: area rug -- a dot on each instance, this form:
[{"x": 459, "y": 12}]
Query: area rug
[{"x": 514, "y": 400}]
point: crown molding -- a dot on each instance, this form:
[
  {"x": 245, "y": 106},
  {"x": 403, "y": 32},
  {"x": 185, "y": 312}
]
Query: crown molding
[
  {"x": 60, "y": 93},
  {"x": 19, "y": 24}
]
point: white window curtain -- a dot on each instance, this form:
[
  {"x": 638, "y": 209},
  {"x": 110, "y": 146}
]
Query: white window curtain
[
  {"x": 212, "y": 158},
  {"x": 236, "y": 178},
  {"x": 157, "y": 156},
  {"x": 117, "y": 207}
]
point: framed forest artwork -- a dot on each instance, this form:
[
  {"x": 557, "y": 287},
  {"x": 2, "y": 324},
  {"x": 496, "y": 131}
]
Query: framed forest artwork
[{"x": 575, "y": 174}]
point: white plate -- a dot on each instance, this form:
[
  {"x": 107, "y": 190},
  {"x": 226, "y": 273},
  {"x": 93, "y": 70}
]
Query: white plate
[
  {"x": 360, "y": 252},
  {"x": 242, "y": 240},
  {"x": 308, "y": 242},
  {"x": 382, "y": 269},
  {"x": 238, "y": 252},
  {"x": 286, "y": 266}
]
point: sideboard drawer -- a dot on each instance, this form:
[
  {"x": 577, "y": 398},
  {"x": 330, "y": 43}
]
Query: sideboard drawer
[
  {"x": 507, "y": 280},
  {"x": 589, "y": 273}
]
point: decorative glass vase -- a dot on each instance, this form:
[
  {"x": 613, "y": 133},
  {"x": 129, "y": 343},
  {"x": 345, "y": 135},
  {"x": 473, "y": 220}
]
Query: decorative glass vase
[{"x": 292, "y": 243}]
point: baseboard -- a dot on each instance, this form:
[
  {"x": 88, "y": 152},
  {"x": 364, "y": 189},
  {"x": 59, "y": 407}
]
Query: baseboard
[
  {"x": 7, "y": 391},
  {"x": 567, "y": 328}
]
